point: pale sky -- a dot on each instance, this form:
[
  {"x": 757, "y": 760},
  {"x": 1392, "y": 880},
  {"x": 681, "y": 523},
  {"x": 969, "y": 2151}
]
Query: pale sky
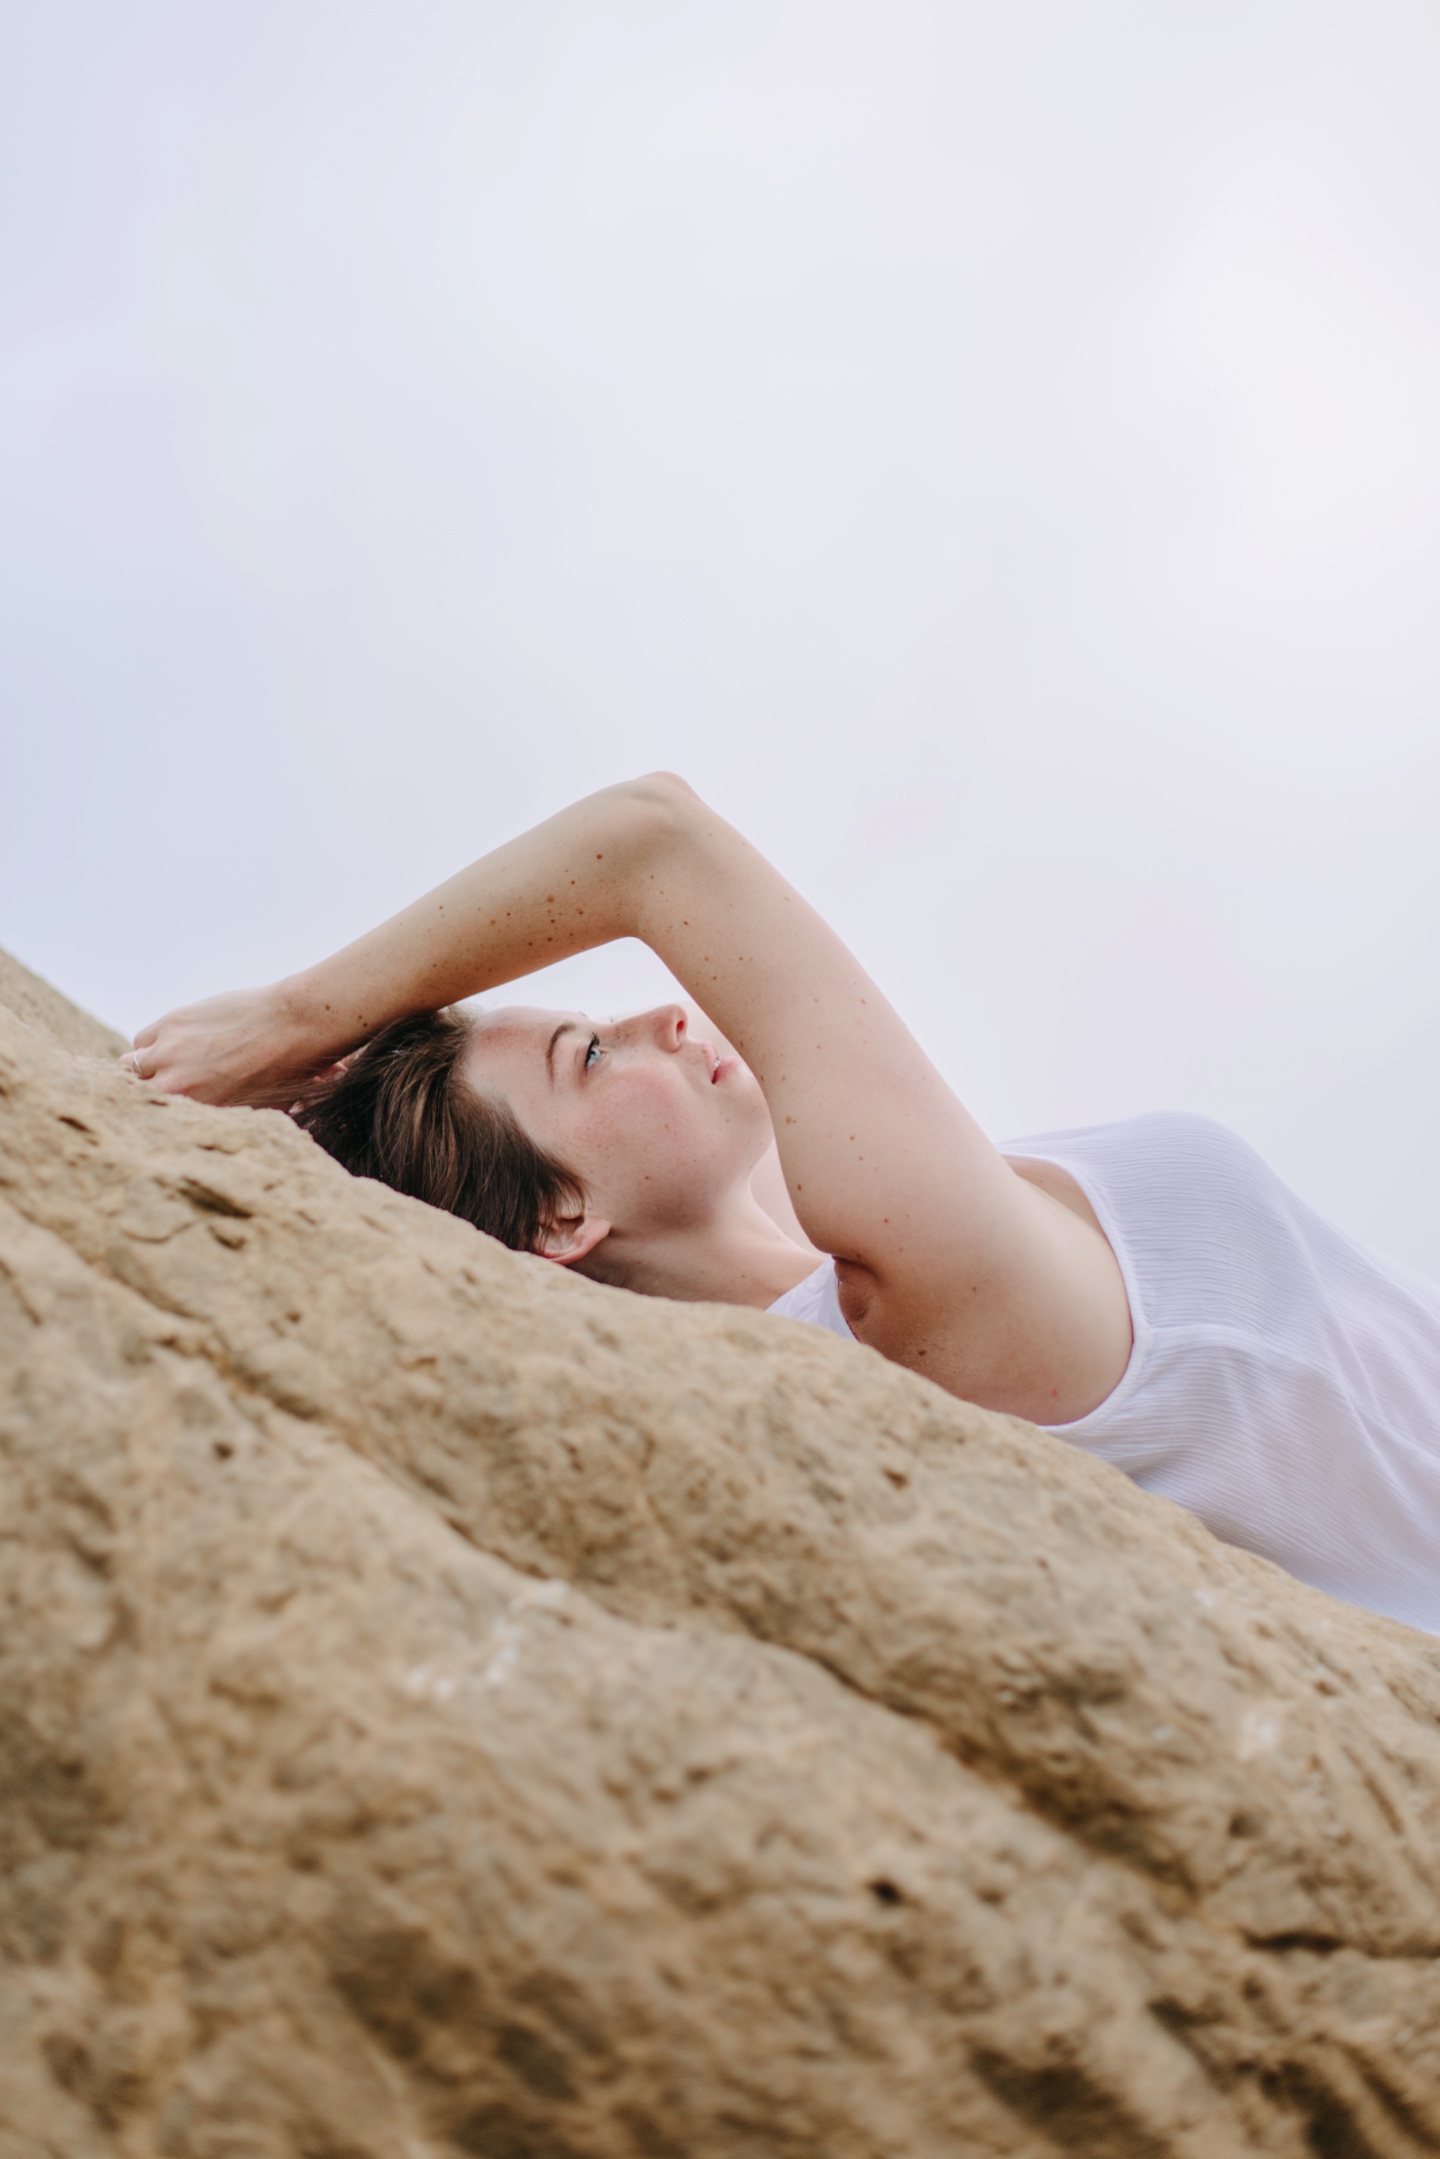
[{"x": 993, "y": 451}]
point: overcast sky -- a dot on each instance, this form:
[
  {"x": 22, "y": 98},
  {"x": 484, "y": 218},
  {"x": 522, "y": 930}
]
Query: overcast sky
[{"x": 992, "y": 450}]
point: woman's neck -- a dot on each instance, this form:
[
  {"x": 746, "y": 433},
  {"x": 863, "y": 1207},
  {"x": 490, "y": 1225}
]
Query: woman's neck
[{"x": 743, "y": 1257}]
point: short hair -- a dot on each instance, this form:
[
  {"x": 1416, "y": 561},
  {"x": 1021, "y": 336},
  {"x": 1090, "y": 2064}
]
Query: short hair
[{"x": 403, "y": 1110}]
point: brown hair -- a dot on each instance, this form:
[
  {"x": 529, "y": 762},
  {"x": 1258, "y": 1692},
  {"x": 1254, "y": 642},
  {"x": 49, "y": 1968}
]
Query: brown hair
[{"x": 403, "y": 1110}]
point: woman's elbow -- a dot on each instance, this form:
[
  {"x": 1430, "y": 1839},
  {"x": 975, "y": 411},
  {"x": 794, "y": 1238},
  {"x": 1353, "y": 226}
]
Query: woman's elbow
[
  {"x": 660, "y": 810},
  {"x": 665, "y": 789}
]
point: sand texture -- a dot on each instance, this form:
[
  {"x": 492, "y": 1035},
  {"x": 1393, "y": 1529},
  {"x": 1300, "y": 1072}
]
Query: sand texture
[{"x": 449, "y": 1708}]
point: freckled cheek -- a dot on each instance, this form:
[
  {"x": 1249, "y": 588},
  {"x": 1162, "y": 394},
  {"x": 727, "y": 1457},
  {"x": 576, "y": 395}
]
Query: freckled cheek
[
  {"x": 646, "y": 1118},
  {"x": 629, "y": 1112}
]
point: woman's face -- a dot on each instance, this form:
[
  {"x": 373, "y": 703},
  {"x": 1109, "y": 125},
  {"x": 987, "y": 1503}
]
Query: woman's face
[{"x": 659, "y": 1125}]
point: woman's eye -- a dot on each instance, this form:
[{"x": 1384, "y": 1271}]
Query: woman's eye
[{"x": 594, "y": 1053}]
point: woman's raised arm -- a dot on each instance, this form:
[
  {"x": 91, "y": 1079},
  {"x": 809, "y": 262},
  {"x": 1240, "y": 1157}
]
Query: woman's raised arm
[
  {"x": 951, "y": 1263},
  {"x": 567, "y": 885}
]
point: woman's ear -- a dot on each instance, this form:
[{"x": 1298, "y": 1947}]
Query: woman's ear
[{"x": 571, "y": 1237}]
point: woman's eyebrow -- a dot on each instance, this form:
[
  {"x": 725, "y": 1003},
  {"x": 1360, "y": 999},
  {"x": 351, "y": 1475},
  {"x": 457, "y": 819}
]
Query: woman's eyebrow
[{"x": 565, "y": 1027}]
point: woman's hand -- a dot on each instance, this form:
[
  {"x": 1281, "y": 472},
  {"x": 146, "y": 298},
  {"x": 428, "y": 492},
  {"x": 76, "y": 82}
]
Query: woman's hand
[{"x": 248, "y": 1046}]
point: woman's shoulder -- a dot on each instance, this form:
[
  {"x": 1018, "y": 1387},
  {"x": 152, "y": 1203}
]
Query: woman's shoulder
[
  {"x": 1169, "y": 1185},
  {"x": 1163, "y": 1132},
  {"x": 1161, "y": 1154}
]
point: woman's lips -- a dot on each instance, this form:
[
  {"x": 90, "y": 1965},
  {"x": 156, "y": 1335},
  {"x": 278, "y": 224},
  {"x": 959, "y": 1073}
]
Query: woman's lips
[{"x": 725, "y": 1066}]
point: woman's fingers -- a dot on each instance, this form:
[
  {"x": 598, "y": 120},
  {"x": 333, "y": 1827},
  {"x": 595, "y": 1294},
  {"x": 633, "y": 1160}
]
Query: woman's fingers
[
  {"x": 142, "y": 1047},
  {"x": 229, "y": 1049}
]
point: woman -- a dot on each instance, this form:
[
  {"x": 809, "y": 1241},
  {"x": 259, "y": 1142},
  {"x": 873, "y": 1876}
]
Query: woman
[{"x": 1148, "y": 1290}]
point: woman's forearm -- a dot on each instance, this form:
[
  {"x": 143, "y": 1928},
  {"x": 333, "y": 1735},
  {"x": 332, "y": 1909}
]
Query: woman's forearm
[
  {"x": 576, "y": 881},
  {"x": 566, "y": 886}
]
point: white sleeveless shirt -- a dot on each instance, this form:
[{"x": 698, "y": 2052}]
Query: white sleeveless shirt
[{"x": 1284, "y": 1383}]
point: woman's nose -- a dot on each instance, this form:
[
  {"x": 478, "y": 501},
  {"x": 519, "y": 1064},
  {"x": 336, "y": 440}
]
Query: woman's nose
[{"x": 666, "y": 1025}]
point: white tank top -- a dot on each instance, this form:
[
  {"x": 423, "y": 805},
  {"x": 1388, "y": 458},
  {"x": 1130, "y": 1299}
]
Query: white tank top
[{"x": 1284, "y": 1383}]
